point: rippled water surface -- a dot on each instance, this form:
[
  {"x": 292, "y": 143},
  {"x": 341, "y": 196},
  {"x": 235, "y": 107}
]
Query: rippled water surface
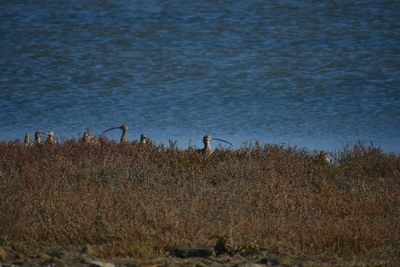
[{"x": 320, "y": 74}]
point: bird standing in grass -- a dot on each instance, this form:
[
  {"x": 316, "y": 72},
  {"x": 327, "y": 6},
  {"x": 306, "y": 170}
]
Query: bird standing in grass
[
  {"x": 28, "y": 140},
  {"x": 87, "y": 138},
  {"x": 206, "y": 150},
  {"x": 38, "y": 137},
  {"x": 124, "y": 136},
  {"x": 51, "y": 138},
  {"x": 322, "y": 158},
  {"x": 144, "y": 139}
]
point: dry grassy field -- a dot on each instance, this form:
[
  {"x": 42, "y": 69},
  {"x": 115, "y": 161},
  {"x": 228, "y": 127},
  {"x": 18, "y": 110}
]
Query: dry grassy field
[{"x": 138, "y": 200}]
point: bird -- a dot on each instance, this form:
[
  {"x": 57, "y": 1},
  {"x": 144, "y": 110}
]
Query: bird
[
  {"x": 28, "y": 140},
  {"x": 206, "y": 150},
  {"x": 144, "y": 139},
  {"x": 87, "y": 138},
  {"x": 38, "y": 137},
  {"x": 124, "y": 136},
  {"x": 322, "y": 158},
  {"x": 51, "y": 138}
]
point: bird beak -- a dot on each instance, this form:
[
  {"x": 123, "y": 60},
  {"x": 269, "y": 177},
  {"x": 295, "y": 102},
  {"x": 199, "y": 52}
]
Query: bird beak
[
  {"x": 112, "y": 128},
  {"x": 222, "y": 140}
]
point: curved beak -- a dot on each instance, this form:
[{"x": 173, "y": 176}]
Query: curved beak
[
  {"x": 112, "y": 128},
  {"x": 222, "y": 140}
]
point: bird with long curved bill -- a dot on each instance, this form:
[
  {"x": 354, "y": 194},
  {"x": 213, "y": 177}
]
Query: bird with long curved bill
[
  {"x": 207, "y": 150},
  {"x": 124, "y": 136}
]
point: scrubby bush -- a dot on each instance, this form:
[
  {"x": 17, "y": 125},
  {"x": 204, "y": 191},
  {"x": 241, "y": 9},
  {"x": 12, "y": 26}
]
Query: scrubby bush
[{"x": 132, "y": 199}]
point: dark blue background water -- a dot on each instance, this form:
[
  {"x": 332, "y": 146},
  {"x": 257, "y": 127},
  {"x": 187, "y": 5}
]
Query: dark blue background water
[{"x": 320, "y": 74}]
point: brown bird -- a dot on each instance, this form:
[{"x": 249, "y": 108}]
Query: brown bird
[
  {"x": 144, "y": 139},
  {"x": 322, "y": 158},
  {"x": 38, "y": 137},
  {"x": 28, "y": 140},
  {"x": 124, "y": 136},
  {"x": 51, "y": 138},
  {"x": 206, "y": 150},
  {"x": 89, "y": 139}
]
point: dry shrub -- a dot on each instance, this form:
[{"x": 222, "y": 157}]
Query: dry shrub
[{"x": 136, "y": 200}]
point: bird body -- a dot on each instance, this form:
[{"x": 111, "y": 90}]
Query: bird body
[
  {"x": 144, "y": 139},
  {"x": 28, "y": 140},
  {"x": 38, "y": 137},
  {"x": 206, "y": 150},
  {"x": 323, "y": 158},
  {"x": 89, "y": 139},
  {"x": 51, "y": 138}
]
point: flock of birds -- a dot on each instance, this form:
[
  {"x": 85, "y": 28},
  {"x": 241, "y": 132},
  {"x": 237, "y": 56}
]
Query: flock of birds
[{"x": 87, "y": 138}]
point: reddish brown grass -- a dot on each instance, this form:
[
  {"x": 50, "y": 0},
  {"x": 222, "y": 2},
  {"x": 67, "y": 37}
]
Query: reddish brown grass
[{"x": 135, "y": 200}]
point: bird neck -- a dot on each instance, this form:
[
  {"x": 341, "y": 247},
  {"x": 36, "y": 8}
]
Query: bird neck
[{"x": 124, "y": 137}]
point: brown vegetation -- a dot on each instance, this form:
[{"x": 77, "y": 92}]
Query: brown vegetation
[{"x": 134, "y": 199}]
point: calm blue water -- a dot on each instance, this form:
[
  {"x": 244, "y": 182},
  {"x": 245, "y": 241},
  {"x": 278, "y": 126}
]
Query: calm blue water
[{"x": 321, "y": 74}]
